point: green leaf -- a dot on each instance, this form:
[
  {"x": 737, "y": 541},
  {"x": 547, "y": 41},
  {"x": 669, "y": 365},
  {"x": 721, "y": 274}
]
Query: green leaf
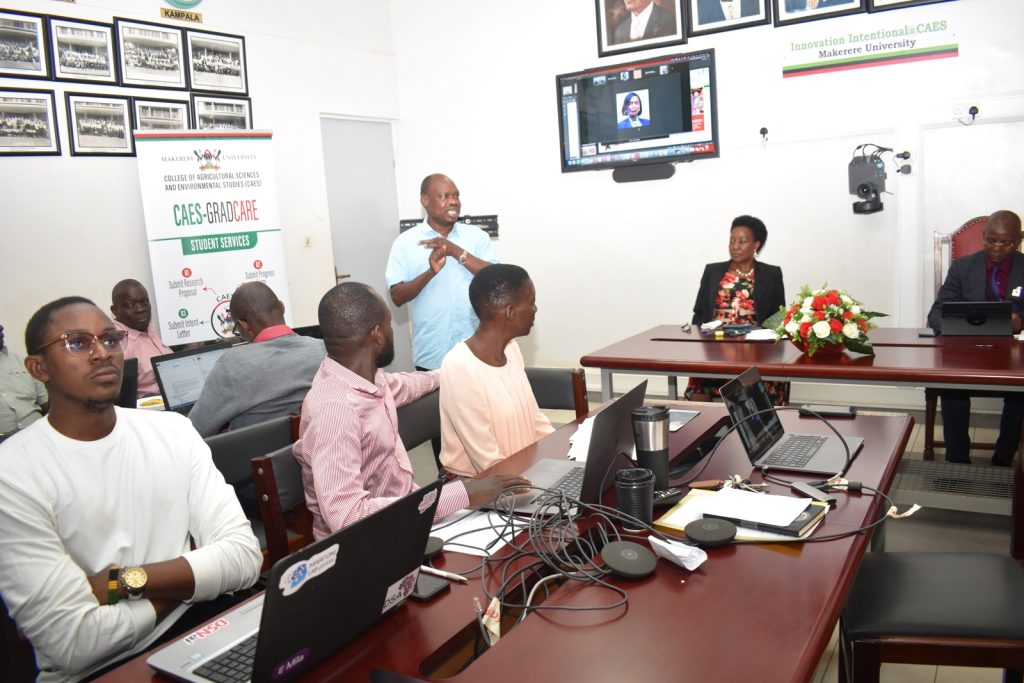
[{"x": 861, "y": 345}]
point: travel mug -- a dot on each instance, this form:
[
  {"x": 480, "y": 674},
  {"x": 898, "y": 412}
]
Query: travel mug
[
  {"x": 650, "y": 429},
  {"x": 635, "y": 488}
]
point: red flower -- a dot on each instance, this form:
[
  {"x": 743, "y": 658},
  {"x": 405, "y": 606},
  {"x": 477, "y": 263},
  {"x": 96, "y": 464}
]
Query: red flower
[
  {"x": 820, "y": 315},
  {"x": 819, "y": 303},
  {"x": 863, "y": 325},
  {"x": 805, "y": 328},
  {"x": 833, "y": 297},
  {"x": 847, "y": 315},
  {"x": 836, "y": 325}
]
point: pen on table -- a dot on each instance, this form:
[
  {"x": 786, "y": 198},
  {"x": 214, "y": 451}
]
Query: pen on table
[
  {"x": 443, "y": 574},
  {"x": 686, "y": 327}
]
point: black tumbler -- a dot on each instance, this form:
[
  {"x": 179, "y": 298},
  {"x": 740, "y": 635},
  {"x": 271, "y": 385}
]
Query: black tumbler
[
  {"x": 650, "y": 429},
  {"x": 635, "y": 488}
]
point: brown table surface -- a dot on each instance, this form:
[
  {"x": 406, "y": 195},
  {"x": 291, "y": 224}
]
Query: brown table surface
[{"x": 751, "y": 612}]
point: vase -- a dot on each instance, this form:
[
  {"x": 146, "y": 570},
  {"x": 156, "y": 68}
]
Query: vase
[{"x": 827, "y": 350}]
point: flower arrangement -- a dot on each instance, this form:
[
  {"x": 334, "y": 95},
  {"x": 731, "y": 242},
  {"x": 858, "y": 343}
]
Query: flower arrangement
[{"x": 825, "y": 319}]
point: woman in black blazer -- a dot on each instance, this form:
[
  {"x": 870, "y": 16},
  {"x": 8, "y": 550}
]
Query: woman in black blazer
[{"x": 740, "y": 290}]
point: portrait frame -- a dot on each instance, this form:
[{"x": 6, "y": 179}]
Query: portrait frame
[
  {"x": 788, "y": 12},
  {"x": 667, "y": 22},
  {"x": 226, "y": 71},
  {"x": 148, "y": 114},
  {"x": 74, "y": 64},
  {"x": 15, "y": 102},
  {"x": 150, "y": 55},
  {"x": 708, "y": 16},
  {"x": 14, "y": 28},
  {"x": 883, "y": 5},
  {"x": 219, "y": 112},
  {"x": 99, "y": 125}
]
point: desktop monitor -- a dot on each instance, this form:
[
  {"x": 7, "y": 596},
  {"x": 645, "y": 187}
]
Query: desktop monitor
[{"x": 656, "y": 110}]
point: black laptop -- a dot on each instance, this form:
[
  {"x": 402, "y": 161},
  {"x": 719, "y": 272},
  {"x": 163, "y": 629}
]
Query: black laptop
[
  {"x": 317, "y": 600},
  {"x": 977, "y": 318},
  {"x": 766, "y": 441},
  {"x": 182, "y": 375}
]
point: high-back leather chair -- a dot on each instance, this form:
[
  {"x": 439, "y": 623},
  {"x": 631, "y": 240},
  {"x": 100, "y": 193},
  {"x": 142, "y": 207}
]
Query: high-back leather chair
[{"x": 420, "y": 421}]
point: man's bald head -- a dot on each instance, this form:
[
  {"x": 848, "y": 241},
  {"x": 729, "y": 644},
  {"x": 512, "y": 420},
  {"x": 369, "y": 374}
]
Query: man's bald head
[
  {"x": 255, "y": 307},
  {"x": 1004, "y": 219},
  {"x": 349, "y": 311}
]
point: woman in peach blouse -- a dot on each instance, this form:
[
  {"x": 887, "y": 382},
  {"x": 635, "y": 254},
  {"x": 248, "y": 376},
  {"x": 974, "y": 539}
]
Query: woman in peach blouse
[{"x": 488, "y": 411}]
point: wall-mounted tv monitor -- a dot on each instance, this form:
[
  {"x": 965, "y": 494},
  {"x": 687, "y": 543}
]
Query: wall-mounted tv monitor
[{"x": 651, "y": 111}]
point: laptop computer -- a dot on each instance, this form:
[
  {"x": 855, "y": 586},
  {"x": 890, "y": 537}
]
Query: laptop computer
[
  {"x": 977, "y": 318},
  {"x": 317, "y": 599},
  {"x": 181, "y": 375},
  {"x": 611, "y": 445},
  {"x": 766, "y": 441}
]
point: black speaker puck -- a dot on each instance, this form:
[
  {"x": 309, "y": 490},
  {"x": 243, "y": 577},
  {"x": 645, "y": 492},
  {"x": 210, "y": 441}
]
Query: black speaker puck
[
  {"x": 710, "y": 532},
  {"x": 629, "y": 560},
  {"x": 434, "y": 546}
]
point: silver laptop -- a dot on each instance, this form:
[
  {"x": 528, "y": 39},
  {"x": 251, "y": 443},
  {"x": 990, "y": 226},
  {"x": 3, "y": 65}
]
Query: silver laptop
[
  {"x": 181, "y": 376},
  {"x": 766, "y": 441},
  {"x": 977, "y": 318},
  {"x": 317, "y": 600},
  {"x": 611, "y": 445}
]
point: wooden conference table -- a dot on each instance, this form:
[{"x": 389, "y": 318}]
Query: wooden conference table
[
  {"x": 751, "y": 612},
  {"x": 902, "y": 358}
]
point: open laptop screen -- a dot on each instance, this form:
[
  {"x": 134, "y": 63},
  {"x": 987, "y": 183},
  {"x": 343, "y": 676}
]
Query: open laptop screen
[
  {"x": 181, "y": 375},
  {"x": 745, "y": 396}
]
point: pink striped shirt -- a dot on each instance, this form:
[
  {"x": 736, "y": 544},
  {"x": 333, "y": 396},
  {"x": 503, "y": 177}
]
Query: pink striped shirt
[{"x": 353, "y": 461}]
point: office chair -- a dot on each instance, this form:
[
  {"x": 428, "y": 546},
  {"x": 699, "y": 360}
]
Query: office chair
[
  {"x": 420, "y": 421},
  {"x": 129, "y": 384},
  {"x": 287, "y": 522},
  {"x": 965, "y": 240},
  {"x": 937, "y": 608},
  {"x": 560, "y": 389},
  {"x": 17, "y": 658}
]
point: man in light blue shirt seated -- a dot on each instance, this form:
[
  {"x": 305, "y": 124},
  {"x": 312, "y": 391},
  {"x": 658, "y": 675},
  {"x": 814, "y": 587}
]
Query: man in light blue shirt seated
[{"x": 431, "y": 265}]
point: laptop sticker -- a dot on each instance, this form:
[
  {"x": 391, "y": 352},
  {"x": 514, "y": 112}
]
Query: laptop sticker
[
  {"x": 400, "y": 590},
  {"x": 299, "y": 573},
  {"x": 427, "y": 501},
  {"x": 205, "y": 631},
  {"x": 288, "y": 665}
]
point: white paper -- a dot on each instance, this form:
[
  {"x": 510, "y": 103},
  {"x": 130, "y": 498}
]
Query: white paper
[
  {"x": 479, "y": 524},
  {"x": 756, "y": 507},
  {"x": 686, "y": 556},
  {"x": 678, "y": 418},
  {"x": 580, "y": 441},
  {"x": 762, "y": 334}
]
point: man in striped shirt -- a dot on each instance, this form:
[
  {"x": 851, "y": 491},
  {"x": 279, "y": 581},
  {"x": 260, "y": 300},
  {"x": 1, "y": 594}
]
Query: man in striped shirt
[{"x": 353, "y": 461}]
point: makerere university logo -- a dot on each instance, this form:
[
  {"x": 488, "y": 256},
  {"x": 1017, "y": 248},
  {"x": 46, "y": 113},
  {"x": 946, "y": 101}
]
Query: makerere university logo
[
  {"x": 208, "y": 159},
  {"x": 184, "y": 4}
]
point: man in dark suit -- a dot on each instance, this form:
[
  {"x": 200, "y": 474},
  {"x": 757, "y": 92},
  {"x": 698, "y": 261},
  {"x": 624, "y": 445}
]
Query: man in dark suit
[
  {"x": 710, "y": 11},
  {"x": 660, "y": 23},
  {"x": 996, "y": 273}
]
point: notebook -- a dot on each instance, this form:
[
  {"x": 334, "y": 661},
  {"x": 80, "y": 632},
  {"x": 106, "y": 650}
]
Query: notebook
[
  {"x": 766, "y": 441},
  {"x": 611, "y": 444},
  {"x": 977, "y": 318},
  {"x": 317, "y": 599},
  {"x": 181, "y": 375}
]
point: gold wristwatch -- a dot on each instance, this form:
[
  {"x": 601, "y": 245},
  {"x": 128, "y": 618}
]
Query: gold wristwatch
[{"x": 133, "y": 580}]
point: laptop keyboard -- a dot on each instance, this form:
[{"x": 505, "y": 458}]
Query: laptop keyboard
[
  {"x": 571, "y": 484},
  {"x": 232, "y": 665},
  {"x": 796, "y": 451}
]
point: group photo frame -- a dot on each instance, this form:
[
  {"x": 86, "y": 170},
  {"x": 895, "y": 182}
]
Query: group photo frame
[
  {"x": 218, "y": 112},
  {"x": 216, "y": 62},
  {"x": 880, "y": 5},
  {"x": 28, "y": 122},
  {"x": 150, "y": 113},
  {"x": 630, "y": 25},
  {"x": 797, "y": 11},
  {"x": 99, "y": 125},
  {"x": 714, "y": 16},
  {"x": 150, "y": 55},
  {"x": 23, "y": 45},
  {"x": 83, "y": 51}
]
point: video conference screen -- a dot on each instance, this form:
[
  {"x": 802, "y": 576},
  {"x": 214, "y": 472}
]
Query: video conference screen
[{"x": 656, "y": 110}]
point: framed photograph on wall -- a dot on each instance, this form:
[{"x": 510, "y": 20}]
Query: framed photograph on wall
[
  {"x": 631, "y": 25},
  {"x": 216, "y": 62},
  {"x": 99, "y": 125},
  {"x": 879, "y": 5},
  {"x": 712, "y": 16},
  {"x": 23, "y": 45},
  {"x": 156, "y": 114},
  {"x": 83, "y": 51},
  {"x": 150, "y": 55},
  {"x": 796, "y": 11},
  {"x": 28, "y": 122},
  {"x": 210, "y": 112}
]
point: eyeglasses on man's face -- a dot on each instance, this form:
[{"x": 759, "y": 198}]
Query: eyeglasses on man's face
[
  {"x": 1002, "y": 244},
  {"x": 83, "y": 343}
]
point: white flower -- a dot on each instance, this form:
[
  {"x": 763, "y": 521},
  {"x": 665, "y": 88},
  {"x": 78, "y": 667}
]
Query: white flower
[
  {"x": 808, "y": 303},
  {"x": 850, "y": 330},
  {"x": 805, "y": 318},
  {"x": 822, "y": 329},
  {"x": 792, "y": 327},
  {"x": 845, "y": 299},
  {"x": 855, "y": 310}
]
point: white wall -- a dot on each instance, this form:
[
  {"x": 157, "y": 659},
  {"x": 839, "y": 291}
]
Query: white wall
[{"x": 610, "y": 260}]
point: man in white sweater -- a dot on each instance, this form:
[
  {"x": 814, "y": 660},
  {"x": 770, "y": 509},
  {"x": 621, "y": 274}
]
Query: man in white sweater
[{"x": 99, "y": 507}]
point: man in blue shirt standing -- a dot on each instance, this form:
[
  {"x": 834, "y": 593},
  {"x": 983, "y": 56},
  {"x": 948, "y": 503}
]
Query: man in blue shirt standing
[{"x": 431, "y": 266}]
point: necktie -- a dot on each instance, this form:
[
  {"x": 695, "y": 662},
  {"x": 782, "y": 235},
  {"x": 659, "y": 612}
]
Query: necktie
[{"x": 996, "y": 289}]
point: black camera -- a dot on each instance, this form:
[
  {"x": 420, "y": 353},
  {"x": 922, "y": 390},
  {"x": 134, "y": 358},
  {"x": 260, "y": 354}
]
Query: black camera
[{"x": 867, "y": 182}]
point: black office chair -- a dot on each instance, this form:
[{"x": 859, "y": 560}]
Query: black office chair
[
  {"x": 560, "y": 389},
  {"x": 17, "y": 658},
  {"x": 420, "y": 421},
  {"x": 288, "y": 524},
  {"x": 936, "y": 608},
  {"x": 127, "y": 398}
]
